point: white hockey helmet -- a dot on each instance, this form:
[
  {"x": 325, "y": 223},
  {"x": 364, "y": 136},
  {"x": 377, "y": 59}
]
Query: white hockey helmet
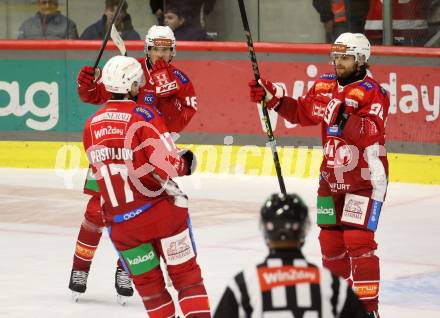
[
  {"x": 355, "y": 44},
  {"x": 160, "y": 36},
  {"x": 120, "y": 72}
]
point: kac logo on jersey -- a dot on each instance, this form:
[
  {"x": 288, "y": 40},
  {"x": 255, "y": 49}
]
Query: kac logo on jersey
[
  {"x": 337, "y": 152},
  {"x": 149, "y": 99}
]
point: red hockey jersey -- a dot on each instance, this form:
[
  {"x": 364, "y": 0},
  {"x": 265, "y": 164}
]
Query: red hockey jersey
[
  {"x": 133, "y": 158},
  {"x": 177, "y": 110},
  {"x": 354, "y": 158}
]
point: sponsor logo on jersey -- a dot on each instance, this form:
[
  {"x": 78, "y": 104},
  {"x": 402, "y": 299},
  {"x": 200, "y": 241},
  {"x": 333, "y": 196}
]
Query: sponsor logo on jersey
[
  {"x": 326, "y": 212},
  {"x": 335, "y": 186},
  {"x": 324, "y": 87},
  {"x": 367, "y": 85},
  {"x": 140, "y": 259},
  {"x": 149, "y": 99},
  {"x": 334, "y": 130},
  {"x": 116, "y": 116},
  {"x": 374, "y": 215},
  {"x": 287, "y": 276},
  {"x": 146, "y": 113},
  {"x": 183, "y": 78},
  {"x": 105, "y": 153},
  {"x": 366, "y": 290},
  {"x": 178, "y": 248},
  {"x": 84, "y": 251},
  {"x": 131, "y": 214},
  {"x": 337, "y": 153},
  {"x": 355, "y": 209},
  {"x": 105, "y": 130},
  {"x": 166, "y": 87},
  {"x": 328, "y": 76},
  {"x": 357, "y": 92},
  {"x": 351, "y": 103}
]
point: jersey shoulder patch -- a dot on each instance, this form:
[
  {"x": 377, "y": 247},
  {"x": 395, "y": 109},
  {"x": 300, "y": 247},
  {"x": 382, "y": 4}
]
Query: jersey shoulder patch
[
  {"x": 367, "y": 85},
  {"x": 328, "y": 76},
  {"x": 182, "y": 77},
  {"x": 382, "y": 91},
  {"x": 144, "y": 112}
]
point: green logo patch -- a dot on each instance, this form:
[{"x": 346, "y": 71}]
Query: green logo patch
[
  {"x": 326, "y": 210},
  {"x": 91, "y": 183},
  {"x": 140, "y": 259}
]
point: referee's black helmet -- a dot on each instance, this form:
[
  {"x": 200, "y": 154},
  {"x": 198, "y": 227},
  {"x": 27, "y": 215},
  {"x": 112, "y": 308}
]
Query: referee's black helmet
[{"x": 284, "y": 217}]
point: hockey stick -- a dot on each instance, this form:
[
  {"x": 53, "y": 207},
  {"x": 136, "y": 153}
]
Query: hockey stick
[
  {"x": 107, "y": 35},
  {"x": 116, "y": 38},
  {"x": 272, "y": 142}
]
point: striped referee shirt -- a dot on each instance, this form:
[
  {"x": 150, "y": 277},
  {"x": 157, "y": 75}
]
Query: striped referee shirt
[{"x": 285, "y": 285}]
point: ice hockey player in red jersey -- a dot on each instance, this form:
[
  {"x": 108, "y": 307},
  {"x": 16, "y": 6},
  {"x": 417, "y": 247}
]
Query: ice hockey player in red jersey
[
  {"x": 352, "y": 109},
  {"x": 170, "y": 92},
  {"x": 134, "y": 160}
]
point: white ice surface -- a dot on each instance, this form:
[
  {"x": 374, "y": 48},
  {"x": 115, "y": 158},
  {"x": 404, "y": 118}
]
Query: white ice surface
[{"x": 35, "y": 260}]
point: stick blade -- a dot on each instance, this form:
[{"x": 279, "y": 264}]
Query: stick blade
[{"x": 116, "y": 38}]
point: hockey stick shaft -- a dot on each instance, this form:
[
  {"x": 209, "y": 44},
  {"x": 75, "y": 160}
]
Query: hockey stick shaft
[
  {"x": 253, "y": 57},
  {"x": 107, "y": 35}
]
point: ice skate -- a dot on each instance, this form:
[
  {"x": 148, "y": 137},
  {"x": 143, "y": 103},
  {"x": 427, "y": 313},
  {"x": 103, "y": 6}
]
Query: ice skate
[
  {"x": 123, "y": 286},
  {"x": 78, "y": 283}
]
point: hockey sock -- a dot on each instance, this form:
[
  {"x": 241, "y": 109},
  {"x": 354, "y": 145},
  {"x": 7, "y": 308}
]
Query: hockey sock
[
  {"x": 88, "y": 239},
  {"x": 366, "y": 278},
  {"x": 194, "y": 302},
  {"x": 365, "y": 266},
  {"x": 159, "y": 305}
]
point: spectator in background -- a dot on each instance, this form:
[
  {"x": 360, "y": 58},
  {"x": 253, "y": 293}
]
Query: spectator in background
[
  {"x": 184, "y": 29},
  {"x": 157, "y": 8},
  {"x": 410, "y": 22},
  {"x": 339, "y": 16},
  {"x": 48, "y": 23},
  {"x": 123, "y": 23}
]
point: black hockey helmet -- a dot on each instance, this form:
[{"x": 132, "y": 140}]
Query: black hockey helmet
[{"x": 284, "y": 217}]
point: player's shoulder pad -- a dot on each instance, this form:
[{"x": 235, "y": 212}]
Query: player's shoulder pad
[
  {"x": 328, "y": 76},
  {"x": 181, "y": 76},
  {"x": 146, "y": 113}
]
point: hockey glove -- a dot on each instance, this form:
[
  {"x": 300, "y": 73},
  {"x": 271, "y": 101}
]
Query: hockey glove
[
  {"x": 86, "y": 77},
  {"x": 271, "y": 93},
  {"x": 164, "y": 79},
  {"x": 334, "y": 113},
  {"x": 190, "y": 161}
]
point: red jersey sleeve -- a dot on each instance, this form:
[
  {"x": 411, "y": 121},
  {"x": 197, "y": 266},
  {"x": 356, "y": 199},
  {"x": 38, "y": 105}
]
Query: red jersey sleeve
[
  {"x": 305, "y": 111},
  {"x": 95, "y": 95},
  {"x": 367, "y": 126}
]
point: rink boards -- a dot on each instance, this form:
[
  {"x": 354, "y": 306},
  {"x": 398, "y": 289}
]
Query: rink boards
[
  {"x": 302, "y": 162},
  {"x": 41, "y": 116}
]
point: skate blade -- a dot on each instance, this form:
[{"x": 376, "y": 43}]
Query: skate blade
[
  {"x": 122, "y": 300},
  {"x": 75, "y": 296}
]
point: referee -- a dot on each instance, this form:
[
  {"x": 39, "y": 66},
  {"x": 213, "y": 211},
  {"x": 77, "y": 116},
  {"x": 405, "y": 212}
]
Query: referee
[{"x": 285, "y": 284}]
